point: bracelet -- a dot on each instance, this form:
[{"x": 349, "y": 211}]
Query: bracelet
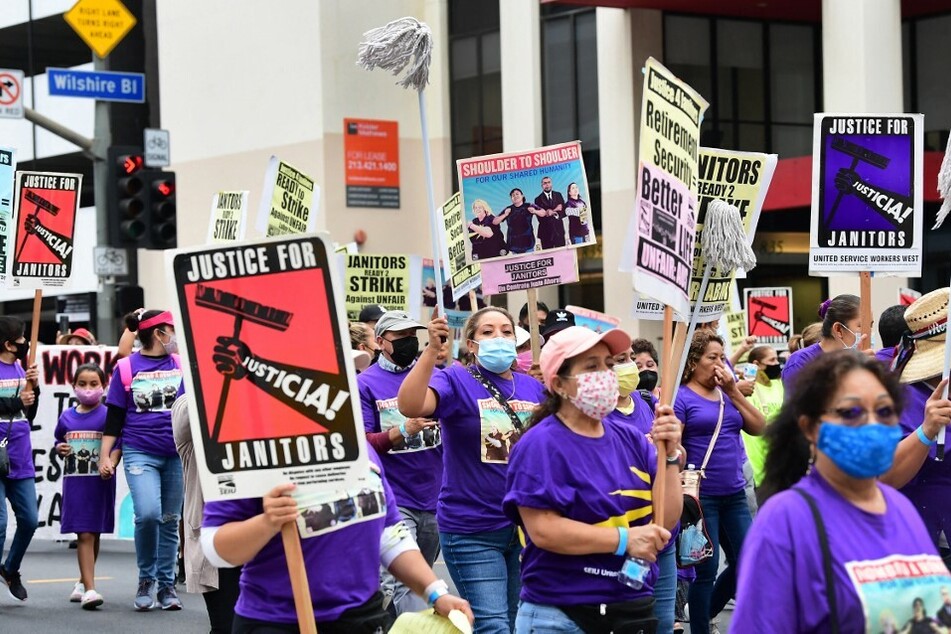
[
  {"x": 436, "y": 589},
  {"x": 674, "y": 460},
  {"x": 927, "y": 442},
  {"x": 403, "y": 429},
  {"x": 622, "y": 541}
]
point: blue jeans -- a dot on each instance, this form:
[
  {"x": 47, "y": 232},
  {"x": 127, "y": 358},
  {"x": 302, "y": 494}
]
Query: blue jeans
[
  {"x": 422, "y": 524},
  {"x": 157, "y": 489},
  {"x": 728, "y": 520},
  {"x": 485, "y": 569},
  {"x": 22, "y": 496},
  {"x": 665, "y": 591},
  {"x": 541, "y": 619}
]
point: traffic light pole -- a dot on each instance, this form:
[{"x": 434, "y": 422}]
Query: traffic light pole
[{"x": 106, "y": 329}]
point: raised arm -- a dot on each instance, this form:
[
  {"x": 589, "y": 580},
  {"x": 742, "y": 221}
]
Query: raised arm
[{"x": 416, "y": 399}]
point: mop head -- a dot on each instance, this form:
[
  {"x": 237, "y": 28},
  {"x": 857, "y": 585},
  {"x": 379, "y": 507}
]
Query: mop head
[
  {"x": 402, "y": 44},
  {"x": 944, "y": 186},
  {"x": 724, "y": 240}
]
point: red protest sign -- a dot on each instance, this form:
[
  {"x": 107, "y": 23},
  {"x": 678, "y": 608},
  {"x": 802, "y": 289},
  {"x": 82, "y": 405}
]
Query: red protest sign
[
  {"x": 275, "y": 395},
  {"x": 44, "y": 226},
  {"x": 769, "y": 315}
]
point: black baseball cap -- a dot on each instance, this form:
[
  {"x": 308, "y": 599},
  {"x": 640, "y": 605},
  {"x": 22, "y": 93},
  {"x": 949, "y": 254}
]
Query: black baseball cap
[
  {"x": 371, "y": 312},
  {"x": 557, "y": 320}
]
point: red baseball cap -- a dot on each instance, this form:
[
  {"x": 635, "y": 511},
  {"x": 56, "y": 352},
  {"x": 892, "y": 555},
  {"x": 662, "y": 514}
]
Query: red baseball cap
[{"x": 574, "y": 340}]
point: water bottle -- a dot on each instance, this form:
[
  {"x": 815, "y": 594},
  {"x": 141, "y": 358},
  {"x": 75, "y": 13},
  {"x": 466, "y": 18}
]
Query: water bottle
[{"x": 634, "y": 572}]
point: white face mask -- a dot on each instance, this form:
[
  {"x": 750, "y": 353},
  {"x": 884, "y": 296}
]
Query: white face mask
[
  {"x": 172, "y": 346},
  {"x": 597, "y": 393},
  {"x": 855, "y": 337}
]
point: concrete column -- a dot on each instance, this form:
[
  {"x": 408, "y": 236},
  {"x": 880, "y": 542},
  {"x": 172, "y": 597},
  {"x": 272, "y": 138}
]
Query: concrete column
[{"x": 862, "y": 73}]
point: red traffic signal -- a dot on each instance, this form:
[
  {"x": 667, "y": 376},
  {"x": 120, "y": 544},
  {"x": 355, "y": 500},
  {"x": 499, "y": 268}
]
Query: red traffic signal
[{"x": 130, "y": 163}]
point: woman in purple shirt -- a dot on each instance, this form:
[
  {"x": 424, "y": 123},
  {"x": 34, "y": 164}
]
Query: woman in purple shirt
[
  {"x": 141, "y": 393},
  {"x": 840, "y": 551},
  {"x": 709, "y": 398}
]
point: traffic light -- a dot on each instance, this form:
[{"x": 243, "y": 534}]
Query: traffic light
[
  {"x": 160, "y": 194},
  {"x": 126, "y": 196}
]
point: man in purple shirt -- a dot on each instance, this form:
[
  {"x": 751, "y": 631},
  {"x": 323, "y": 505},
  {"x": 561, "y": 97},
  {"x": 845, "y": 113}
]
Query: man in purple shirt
[{"x": 551, "y": 225}]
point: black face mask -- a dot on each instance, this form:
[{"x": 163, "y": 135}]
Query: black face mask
[
  {"x": 648, "y": 380},
  {"x": 773, "y": 372},
  {"x": 404, "y": 351},
  {"x": 23, "y": 349}
]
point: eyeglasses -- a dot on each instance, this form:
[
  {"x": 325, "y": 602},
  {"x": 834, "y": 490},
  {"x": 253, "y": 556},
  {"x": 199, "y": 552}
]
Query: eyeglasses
[{"x": 859, "y": 415}]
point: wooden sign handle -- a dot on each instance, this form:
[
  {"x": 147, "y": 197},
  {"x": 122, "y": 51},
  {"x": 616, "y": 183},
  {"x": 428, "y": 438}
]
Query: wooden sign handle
[
  {"x": 295, "y": 566},
  {"x": 533, "y": 323},
  {"x": 865, "y": 308},
  {"x": 34, "y": 333}
]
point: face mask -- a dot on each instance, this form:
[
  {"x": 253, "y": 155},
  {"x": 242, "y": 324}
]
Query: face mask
[
  {"x": 171, "y": 347},
  {"x": 597, "y": 393},
  {"x": 524, "y": 361},
  {"x": 855, "y": 343},
  {"x": 91, "y": 396},
  {"x": 773, "y": 372},
  {"x": 497, "y": 354},
  {"x": 627, "y": 377},
  {"x": 404, "y": 351},
  {"x": 23, "y": 349},
  {"x": 861, "y": 452},
  {"x": 648, "y": 380}
]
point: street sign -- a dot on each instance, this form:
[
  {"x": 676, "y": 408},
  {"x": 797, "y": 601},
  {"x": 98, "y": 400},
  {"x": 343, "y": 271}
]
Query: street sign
[
  {"x": 156, "y": 144},
  {"x": 111, "y": 262},
  {"x": 11, "y": 94},
  {"x": 97, "y": 84},
  {"x": 100, "y": 23}
]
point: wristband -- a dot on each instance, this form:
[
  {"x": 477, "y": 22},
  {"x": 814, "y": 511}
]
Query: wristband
[
  {"x": 436, "y": 589},
  {"x": 927, "y": 442},
  {"x": 403, "y": 429},
  {"x": 622, "y": 541}
]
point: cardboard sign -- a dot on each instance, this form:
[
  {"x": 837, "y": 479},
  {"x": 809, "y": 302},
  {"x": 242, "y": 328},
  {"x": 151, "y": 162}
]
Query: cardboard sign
[
  {"x": 390, "y": 281},
  {"x": 229, "y": 214},
  {"x": 738, "y": 178},
  {"x": 44, "y": 230},
  {"x": 769, "y": 315},
  {"x": 867, "y": 209},
  {"x": 462, "y": 276},
  {"x": 289, "y": 202},
  {"x": 7, "y": 168},
  {"x": 592, "y": 319},
  {"x": 660, "y": 245},
  {"x": 57, "y": 367},
  {"x": 735, "y": 329},
  {"x": 372, "y": 168},
  {"x": 525, "y": 202},
  {"x": 530, "y": 271},
  {"x": 272, "y": 390}
]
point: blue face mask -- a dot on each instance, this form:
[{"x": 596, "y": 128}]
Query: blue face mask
[
  {"x": 863, "y": 452},
  {"x": 497, "y": 354}
]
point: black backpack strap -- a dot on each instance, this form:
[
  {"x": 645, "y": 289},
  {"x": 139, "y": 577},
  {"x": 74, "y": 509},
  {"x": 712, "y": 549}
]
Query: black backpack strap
[
  {"x": 494, "y": 392},
  {"x": 826, "y": 559}
]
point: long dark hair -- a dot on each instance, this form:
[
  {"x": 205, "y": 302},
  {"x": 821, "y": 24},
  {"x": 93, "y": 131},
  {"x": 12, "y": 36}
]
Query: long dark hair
[
  {"x": 839, "y": 309},
  {"x": 552, "y": 402},
  {"x": 11, "y": 329},
  {"x": 787, "y": 459},
  {"x": 146, "y": 335}
]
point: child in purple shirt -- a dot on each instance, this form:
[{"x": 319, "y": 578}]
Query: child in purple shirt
[{"x": 89, "y": 501}]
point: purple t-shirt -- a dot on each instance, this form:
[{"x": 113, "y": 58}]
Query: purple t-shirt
[
  {"x": 156, "y": 383},
  {"x": 341, "y": 550},
  {"x": 19, "y": 447},
  {"x": 796, "y": 361},
  {"x": 89, "y": 502},
  {"x": 599, "y": 481},
  {"x": 881, "y": 563},
  {"x": 477, "y": 438},
  {"x": 415, "y": 469},
  {"x": 724, "y": 472},
  {"x": 642, "y": 418},
  {"x": 885, "y": 355}
]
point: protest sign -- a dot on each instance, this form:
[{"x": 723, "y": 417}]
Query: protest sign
[
  {"x": 265, "y": 408},
  {"x": 592, "y": 319},
  {"x": 229, "y": 212},
  {"x": 660, "y": 246},
  {"x": 462, "y": 277},
  {"x": 867, "y": 209},
  {"x": 390, "y": 281},
  {"x": 428, "y": 284},
  {"x": 769, "y": 315},
  {"x": 289, "y": 201},
  {"x": 529, "y": 271},
  {"x": 7, "y": 168},
  {"x": 735, "y": 324},
  {"x": 57, "y": 368},
  {"x": 44, "y": 227},
  {"x": 740, "y": 179},
  {"x": 541, "y": 196}
]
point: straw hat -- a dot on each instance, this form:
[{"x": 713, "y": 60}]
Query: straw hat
[{"x": 927, "y": 320}]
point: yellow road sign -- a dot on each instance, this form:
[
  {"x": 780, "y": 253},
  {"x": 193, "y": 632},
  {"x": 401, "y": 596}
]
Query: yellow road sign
[{"x": 100, "y": 23}]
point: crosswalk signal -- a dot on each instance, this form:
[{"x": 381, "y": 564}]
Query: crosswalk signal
[
  {"x": 160, "y": 189},
  {"x": 126, "y": 196}
]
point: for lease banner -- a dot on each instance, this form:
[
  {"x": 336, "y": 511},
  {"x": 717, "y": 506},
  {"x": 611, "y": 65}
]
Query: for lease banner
[
  {"x": 660, "y": 247},
  {"x": 531, "y": 271},
  {"x": 44, "y": 230},
  {"x": 272, "y": 390},
  {"x": 7, "y": 168},
  {"x": 289, "y": 202},
  {"x": 867, "y": 209},
  {"x": 740, "y": 179},
  {"x": 229, "y": 211},
  {"x": 769, "y": 315},
  {"x": 525, "y": 202}
]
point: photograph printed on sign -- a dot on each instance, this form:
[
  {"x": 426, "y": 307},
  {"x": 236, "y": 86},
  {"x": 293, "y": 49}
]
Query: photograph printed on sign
[
  {"x": 268, "y": 373},
  {"x": 867, "y": 202},
  {"x": 525, "y": 202}
]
